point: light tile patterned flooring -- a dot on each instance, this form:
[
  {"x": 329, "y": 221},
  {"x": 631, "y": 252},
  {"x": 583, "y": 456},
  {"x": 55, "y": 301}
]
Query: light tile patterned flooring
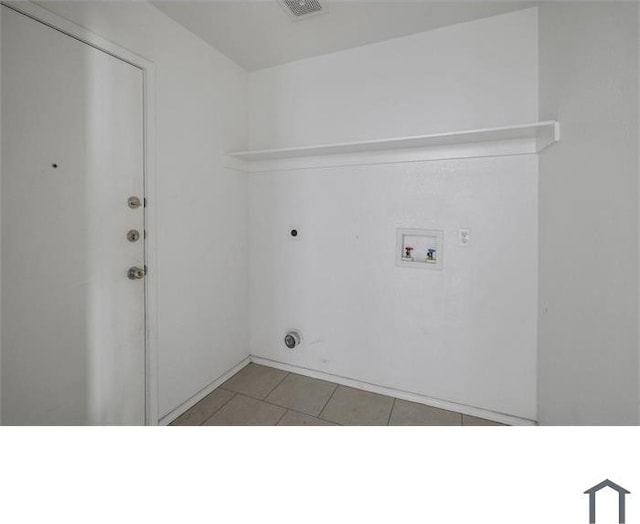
[{"x": 263, "y": 396}]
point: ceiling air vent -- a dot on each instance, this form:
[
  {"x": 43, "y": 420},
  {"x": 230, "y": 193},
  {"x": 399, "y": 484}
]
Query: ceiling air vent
[{"x": 298, "y": 9}]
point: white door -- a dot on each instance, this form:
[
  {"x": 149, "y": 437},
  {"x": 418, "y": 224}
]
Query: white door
[{"x": 73, "y": 323}]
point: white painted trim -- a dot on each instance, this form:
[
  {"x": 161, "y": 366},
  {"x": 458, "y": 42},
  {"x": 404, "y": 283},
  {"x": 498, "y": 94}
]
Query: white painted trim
[
  {"x": 171, "y": 416},
  {"x": 59, "y": 23},
  {"x": 403, "y": 395},
  {"x": 151, "y": 248},
  {"x": 0, "y": 230},
  {"x": 490, "y": 134},
  {"x": 638, "y": 217},
  {"x": 499, "y": 141},
  {"x": 400, "y": 156},
  {"x": 73, "y": 30}
]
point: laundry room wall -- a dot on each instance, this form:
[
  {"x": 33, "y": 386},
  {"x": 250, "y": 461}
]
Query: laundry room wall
[
  {"x": 467, "y": 76},
  {"x": 0, "y": 213},
  {"x": 465, "y": 335},
  {"x": 588, "y": 328},
  {"x": 201, "y": 205}
]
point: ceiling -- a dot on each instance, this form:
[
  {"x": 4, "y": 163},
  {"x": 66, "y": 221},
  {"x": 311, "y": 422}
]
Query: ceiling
[{"x": 259, "y": 34}]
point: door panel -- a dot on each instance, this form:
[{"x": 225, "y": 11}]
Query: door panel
[{"x": 72, "y": 154}]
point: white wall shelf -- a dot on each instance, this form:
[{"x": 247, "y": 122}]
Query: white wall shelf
[{"x": 496, "y": 141}]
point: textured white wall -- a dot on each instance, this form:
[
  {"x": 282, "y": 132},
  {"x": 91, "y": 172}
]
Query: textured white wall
[
  {"x": 0, "y": 214},
  {"x": 466, "y": 76},
  {"x": 588, "y": 319},
  {"x": 466, "y": 334},
  {"x": 201, "y": 207}
]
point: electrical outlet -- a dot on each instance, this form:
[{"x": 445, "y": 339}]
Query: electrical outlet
[{"x": 464, "y": 236}]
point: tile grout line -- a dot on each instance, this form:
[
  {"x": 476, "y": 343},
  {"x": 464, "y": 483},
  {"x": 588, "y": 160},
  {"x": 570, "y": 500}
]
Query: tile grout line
[
  {"x": 272, "y": 403},
  {"x": 251, "y": 396},
  {"x": 330, "y": 421},
  {"x": 272, "y": 365},
  {"x": 254, "y": 399},
  {"x": 393, "y": 405},
  {"x": 274, "y": 387},
  {"x": 288, "y": 408},
  {"x": 281, "y": 417},
  {"x": 241, "y": 393},
  {"x": 327, "y": 403},
  {"x": 310, "y": 416},
  {"x": 223, "y": 405},
  {"x": 307, "y": 415}
]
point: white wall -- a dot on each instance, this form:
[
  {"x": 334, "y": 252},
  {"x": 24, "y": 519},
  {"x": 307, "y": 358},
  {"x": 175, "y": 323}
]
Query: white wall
[
  {"x": 467, "y": 76},
  {"x": 588, "y": 339},
  {"x": 466, "y": 334},
  {"x": 0, "y": 213},
  {"x": 201, "y": 205}
]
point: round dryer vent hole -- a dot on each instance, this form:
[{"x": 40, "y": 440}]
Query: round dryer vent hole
[{"x": 292, "y": 339}]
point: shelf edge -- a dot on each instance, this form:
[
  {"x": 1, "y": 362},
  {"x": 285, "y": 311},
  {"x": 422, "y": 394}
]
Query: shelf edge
[{"x": 494, "y": 134}]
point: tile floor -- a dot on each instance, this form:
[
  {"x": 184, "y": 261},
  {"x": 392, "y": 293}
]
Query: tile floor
[{"x": 263, "y": 396}]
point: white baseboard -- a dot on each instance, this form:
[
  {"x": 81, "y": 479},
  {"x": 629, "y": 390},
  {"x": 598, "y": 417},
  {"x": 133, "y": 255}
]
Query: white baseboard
[
  {"x": 404, "y": 395},
  {"x": 170, "y": 417},
  {"x": 382, "y": 390}
]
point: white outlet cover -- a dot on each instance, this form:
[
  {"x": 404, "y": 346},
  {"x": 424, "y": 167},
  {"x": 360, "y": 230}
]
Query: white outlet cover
[{"x": 464, "y": 236}]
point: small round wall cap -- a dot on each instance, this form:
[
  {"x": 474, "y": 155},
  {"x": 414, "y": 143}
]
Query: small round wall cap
[{"x": 292, "y": 339}]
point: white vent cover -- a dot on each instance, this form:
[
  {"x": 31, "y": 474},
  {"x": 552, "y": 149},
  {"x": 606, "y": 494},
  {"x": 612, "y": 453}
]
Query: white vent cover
[{"x": 298, "y": 9}]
